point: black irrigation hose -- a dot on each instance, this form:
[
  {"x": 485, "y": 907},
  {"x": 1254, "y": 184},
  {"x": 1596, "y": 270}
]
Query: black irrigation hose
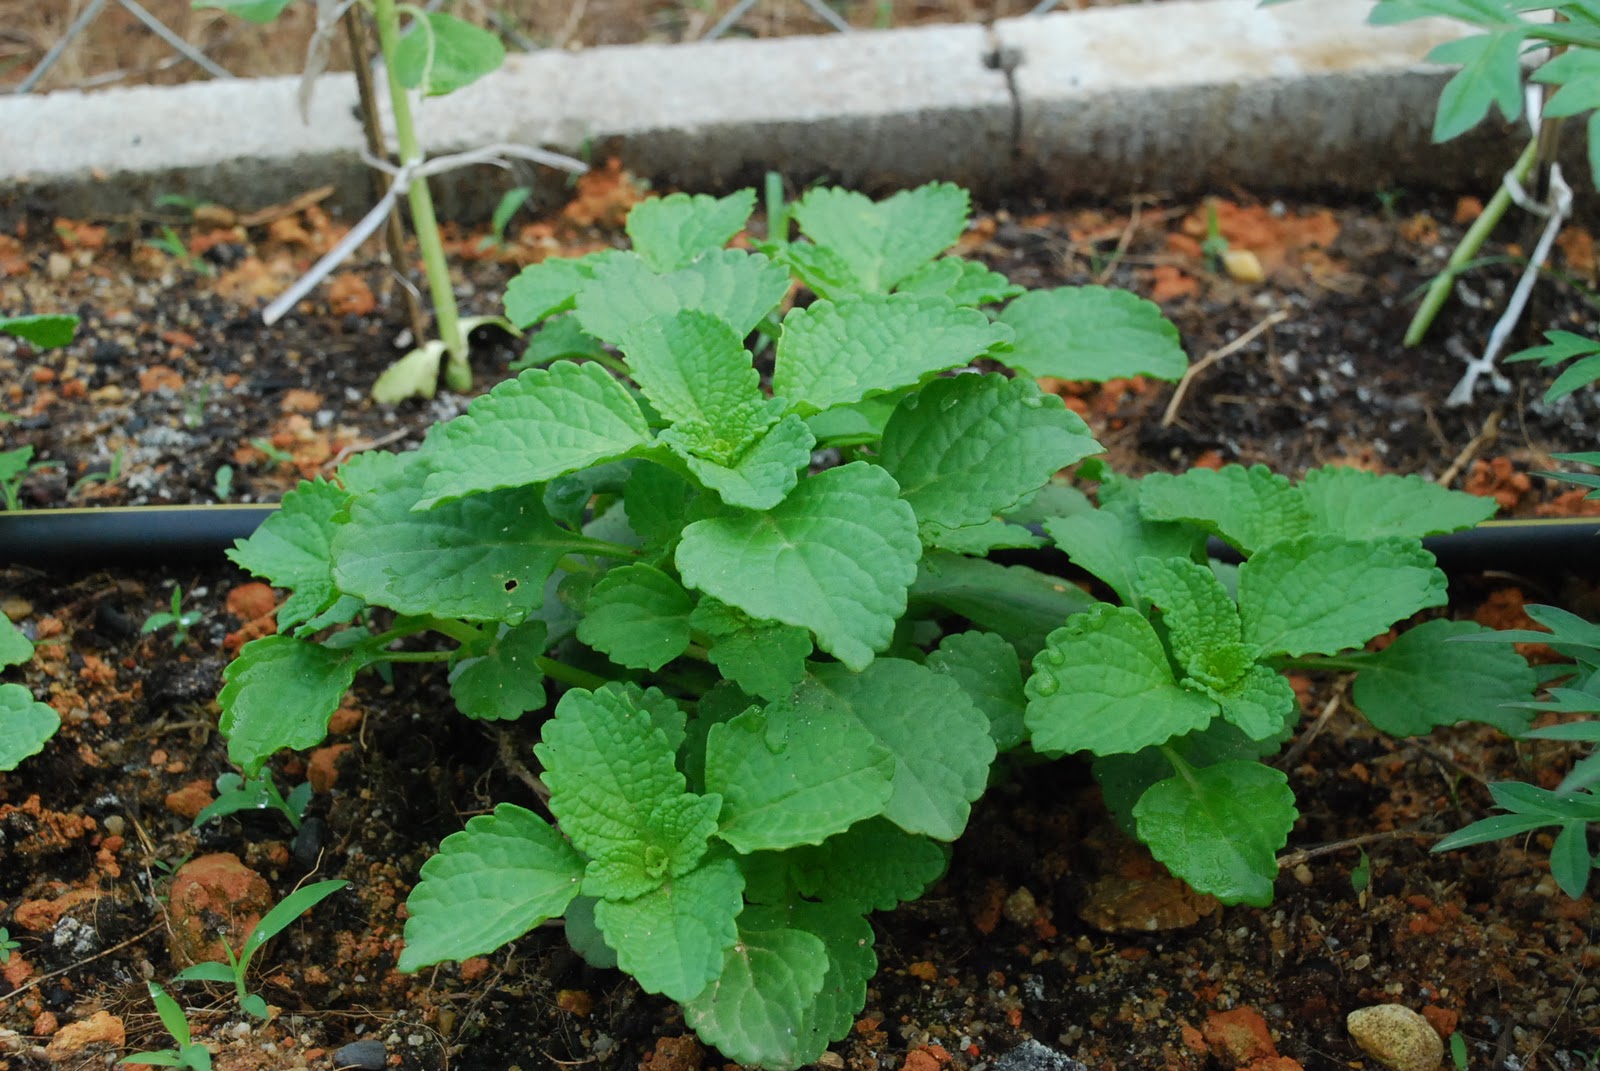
[{"x": 86, "y": 538}]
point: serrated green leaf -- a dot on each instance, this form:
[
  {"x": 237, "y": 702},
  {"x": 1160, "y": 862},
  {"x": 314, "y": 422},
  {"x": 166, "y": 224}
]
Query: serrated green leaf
[
  {"x": 280, "y": 692},
  {"x": 986, "y": 668},
  {"x": 660, "y": 504},
  {"x": 1195, "y": 608},
  {"x": 872, "y": 866},
  {"x": 442, "y": 54},
  {"x": 673, "y": 939},
  {"x": 638, "y": 617},
  {"x": 1103, "y": 684},
  {"x": 483, "y": 558},
  {"x": 560, "y": 339},
  {"x": 794, "y": 775},
  {"x": 1109, "y": 542},
  {"x": 939, "y": 738},
  {"x": 755, "y": 1011},
  {"x": 1219, "y": 828},
  {"x": 1019, "y": 603},
  {"x": 1490, "y": 76},
  {"x": 292, "y": 549},
  {"x": 25, "y": 725},
  {"x": 1090, "y": 332},
  {"x": 1424, "y": 680},
  {"x": 837, "y": 352},
  {"x": 979, "y": 539},
  {"x": 693, "y": 367},
  {"x": 737, "y": 287},
  {"x": 1356, "y": 504},
  {"x": 505, "y": 680},
  {"x": 669, "y": 232},
  {"x": 15, "y": 648},
  {"x": 764, "y": 658},
  {"x": 1322, "y": 594},
  {"x": 1249, "y": 507},
  {"x": 836, "y": 556},
  {"x": 965, "y": 282},
  {"x": 966, "y": 448},
  {"x": 883, "y": 242},
  {"x": 544, "y": 423},
  {"x": 608, "y": 766},
  {"x": 1260, "y": 701},
  {"x": 541, "y": 290},
  {"x": 819, "y": 268},
  {"x": 847, "y": 937},
  {"x": 45, "y": 330},
  {"x": 501, "y": 876},
  {"x": 672, "y": 843},
  {"x": 762, "y": 473},
  {"x": 585, "y": 937}
]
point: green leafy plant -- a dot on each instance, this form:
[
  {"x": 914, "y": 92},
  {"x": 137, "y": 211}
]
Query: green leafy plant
[
  {"x": 222, "y": 482},
  {"x": 111, "y": 475},
  {"x": 7, "y": 945},
  {"x": 177, "y": 618},
  {"x": 272, "y": 923},
  {"x": 275, "y": 454},
  {"x": 1574, "y": 805},
  {"x": 25, "y": 723},
  {"x": 236, "y": 793},
  {"x": 47, "y": 331},
  {"x": 779, "y": 664},
  {"x": 188, "y": 1052},
  {"x": 174, "y": 246},
  {"x": 15, "y": 467},
  {"x": 510, "y": 201},
  {"x": 1177, "y": 692}
]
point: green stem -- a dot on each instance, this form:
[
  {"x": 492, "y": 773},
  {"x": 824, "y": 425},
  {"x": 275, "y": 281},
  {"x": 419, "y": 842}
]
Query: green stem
[
  {"x": 1322, "y": 663},
  {"x": 459, "y": 631},
  {"x": 1471, "y": 242},
  {"x": 414, "y": 656},
  {"x": 777, "y": 209},
  {"x": 457, "y": 373},
  {"x": 560, "y": 671}
]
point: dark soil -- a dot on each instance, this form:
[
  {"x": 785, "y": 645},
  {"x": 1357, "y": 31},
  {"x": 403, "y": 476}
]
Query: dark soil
[{"x": 1047, "y": 926}]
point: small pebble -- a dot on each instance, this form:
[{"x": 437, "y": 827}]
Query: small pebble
[
  {"x": 1033, "y": 1056},
  {"x": 1243, "y": 266},
  {"x": 1396, "y": 1037},
  {"x": 367, "y": 1055}
]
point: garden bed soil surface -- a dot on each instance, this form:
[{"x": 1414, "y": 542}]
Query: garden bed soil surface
[{"x": 1047, "y": 928}]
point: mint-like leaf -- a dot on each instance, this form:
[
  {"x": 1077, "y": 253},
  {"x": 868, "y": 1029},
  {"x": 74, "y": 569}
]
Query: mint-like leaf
[
  {"x": 764, "y": 658},
  {"x": 883, "y": 242},
  {"x": 939, "y": 739},
  {"x": 762, "y": 473},
  {"x": 442, "y": 54},
  {"x": 561, "y": 339},
  {"x": 1219, "y": 828},
  {"x": 585, "y": 937},
  {"x": 638, "y": 616},
  {"x": 25, "y": 725},
  {"x": 672, "y": 843},
  {"x": 1424, "y": 679},
  {"x": 836, "y": 556},
  {"x": 966, "y": 448},
  {"x": 544, "y": 423},
  {"x": 541, "y": 290},
  {"x": 291, "y": 549},
  {"x": 1103, "y": 684},
  {"x": 847, "y": 937},
  {"x": 693, "y": 367},
  {"x": 791, "y": 775},
  {"x": 986, "y": 668},
  {"x": 608, "y": 766},
  {"x": 737, "y": 287},
  {"x": 505, "y": 680},
  {"x": 1195, "y": 607},
  {"x": 979, "y": 539},
  {"x": 819, "y": 268},
  {"x": 669, "y": 232},
  {"x": 964, "y": 282},
  {"x": 1357, "y": 504},
  {"x": 832, "y": 353},
  {"x": 1090, "y": 332},
  {"x": 872, "y": 866},
  {"x": 1110, "y": 541},
  {"x": 1021, "y": 604},
  {"x": 1321, "y": 594},
  {"x": 280, "y": 692},
  {"x": 15, "y": 648},
  {"x": 1260, "y": 701},
  {"x": 1249, "y": 507},
  {"x": 674, "y": 938},
  {"x": 504, "y": 874}
]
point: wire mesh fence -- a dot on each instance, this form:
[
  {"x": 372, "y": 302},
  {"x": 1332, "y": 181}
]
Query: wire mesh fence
[{"x": 84, "y": 44}]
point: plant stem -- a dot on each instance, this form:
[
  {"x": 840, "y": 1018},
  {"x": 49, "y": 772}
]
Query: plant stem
[
  {"x": 1470, "y": 243},
  {"x": 457, "y": 373},
  {"x": 560, "y": 671}
]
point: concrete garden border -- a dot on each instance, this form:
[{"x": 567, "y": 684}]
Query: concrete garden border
[{"x": 1182, "y": 96}]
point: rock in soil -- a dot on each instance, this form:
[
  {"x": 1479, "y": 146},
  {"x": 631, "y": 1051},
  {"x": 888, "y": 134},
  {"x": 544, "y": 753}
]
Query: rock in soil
[{"x": 1397, "y": 1037}]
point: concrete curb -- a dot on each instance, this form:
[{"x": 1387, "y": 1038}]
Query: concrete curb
[{"x": 1182, "y": 96}]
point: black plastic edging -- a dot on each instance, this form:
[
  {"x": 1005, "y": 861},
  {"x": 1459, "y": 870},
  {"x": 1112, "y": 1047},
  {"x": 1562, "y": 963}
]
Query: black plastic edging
[{"x": 86, "y": 538}]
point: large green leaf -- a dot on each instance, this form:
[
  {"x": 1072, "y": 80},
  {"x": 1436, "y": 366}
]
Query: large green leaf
[
  {"x": 292, "y": 549},
  {"x": 1195, "y": 608},
  {"x": 638, "y": 616},
  {"x": 765, "y": 658},
  {"x": 793, "y": 775},
  {"x": 442, "y": 54},
  {"x": 1424, "y": 680},
  {"x": 1357, "y": 504},
  {"x": 883, "y": 242},
  {"x": 669, "y": 232},
  {"x": 986, "y": 668},
  {"x": 761, "y": 473},
  {"x": 550, "y": 286},
  {"x": 1109, "y": 542},
  {"x": 847, "y": 936},
  {"x": 1021, "y": 604},
  {"x": 1248, "y": 507},
  {"x": 1219, "y": 828},
  {"x": 1090, "y": 332},
  {"x": 730, "y": 284},
  {"x": 503, "y": 680},
  {"x": 1322, "y": 594},
  {"x": 872, "y": 866},
  {"x": 965, "y": 282},
  {"x": 25, "y": 725},
  {"x": 966, "y": 448},
  {"x": 544, "y": 423},
  {"x": 1103, "y": 684},
  {"x": 836, "y": 352},
  {"x": 673, "y": 940},
  {"x": 280, "y": 692},
  {"x": 15, "y": 648},
  {"x": 836, "y": 557},
  {"x": 506, "y": 873},
  {"x": 939, "y": 738},
  {"x": 695, "y": 370},
  {"x": 672, "y": 843}
]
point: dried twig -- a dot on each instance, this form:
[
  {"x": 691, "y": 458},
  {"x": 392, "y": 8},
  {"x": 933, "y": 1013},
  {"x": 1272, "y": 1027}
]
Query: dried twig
[
  {"x": 1300, "y": 855},
  {"x": 1287, "y": 760},
  {"x": 1212, "y": 358},
  {"x": 1486, "y": 437}
]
